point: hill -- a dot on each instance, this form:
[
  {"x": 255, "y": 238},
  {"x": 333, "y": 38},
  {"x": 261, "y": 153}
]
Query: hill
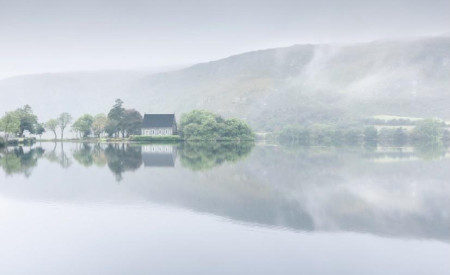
[{"x": 269, "y": 88}]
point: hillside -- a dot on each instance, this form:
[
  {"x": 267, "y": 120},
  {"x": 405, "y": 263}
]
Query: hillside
[
  {"x": 76, "y": 93},
  {"x": 302, "y": 83}
]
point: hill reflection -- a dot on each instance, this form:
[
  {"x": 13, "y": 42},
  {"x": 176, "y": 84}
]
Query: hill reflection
[{"x": 384, "y": 191}]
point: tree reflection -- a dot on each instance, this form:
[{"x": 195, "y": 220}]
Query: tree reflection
[
  {"x": 19, "y": 161},
  {"x": 61, "y": 158},
  {"x": 119, "y": 157},
  {"x": 122, "y": 158},
  {"x": 429, "y": 151},
  {"x": 419, "y": 150},
  {"x": 202, "y": 156},
  {"x": 90, "y": 154},
  {"x": 83, "y": 155}
]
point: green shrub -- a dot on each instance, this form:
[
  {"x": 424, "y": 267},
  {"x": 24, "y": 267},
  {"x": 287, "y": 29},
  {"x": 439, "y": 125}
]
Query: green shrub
[
  {"x": 203, "y": 125},
  {"x": 320, "y": 134},
  {"x": 370, "y": 134},
  {"x": 2, "y": 142},
  {"x": 295, "y": 134},
  {"x": 428, "y": 131}
]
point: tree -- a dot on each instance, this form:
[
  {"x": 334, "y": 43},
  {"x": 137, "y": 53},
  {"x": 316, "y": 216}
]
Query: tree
[
  {"x": 399, "y": 136},
  {"x": 84, "y": 125},
  {"x": 204, "y": 125},
  {"x": 111, "y": 127},
  {"x": 51, "y": 125},
  {"x": 370, "y": 134},
  {"x": 28, "y": 121},
  {"x": 295, "y": 134},
  {"x": 40, "y": 129},
  {"x": 10, "y": 124},
  {"x": 428, "y": 131},
  {"x": 117, "y": 114},
  {"x": 99, "y": 124},
  {"x": 63, "y": 120},
  {"x": 132, "y": 122},
  {"x": 237, "y": 129}
]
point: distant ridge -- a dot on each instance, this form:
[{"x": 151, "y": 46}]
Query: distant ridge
[{"x": 268, "y": 88}]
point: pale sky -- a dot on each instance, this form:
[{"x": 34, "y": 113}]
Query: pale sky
[{"x": 38, "y": 36}]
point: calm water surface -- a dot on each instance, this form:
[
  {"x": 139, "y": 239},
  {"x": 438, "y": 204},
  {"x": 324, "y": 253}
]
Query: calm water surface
[{"x": 223, "y": 209}]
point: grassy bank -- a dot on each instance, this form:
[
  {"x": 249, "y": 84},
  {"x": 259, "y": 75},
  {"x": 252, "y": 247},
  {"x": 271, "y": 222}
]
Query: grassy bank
[
  {"x": 21, "y": 141},
  {"x": 146, "y": 139},
  {"x": 174, "y": 138}
]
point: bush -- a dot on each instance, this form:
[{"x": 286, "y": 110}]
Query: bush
[
  {"x": 320, "y": 134},
  {"x": 393, "y": 136},
  {"x": 370, "y": 134},
  {"x": 204, "y": 125},
  {"x": 295, "y": 134},
  {"x": 2, "y": 142},
  {"x": 428, "y": 131}
]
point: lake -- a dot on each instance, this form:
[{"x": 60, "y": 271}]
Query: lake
[{"x": 223, "y": 208}]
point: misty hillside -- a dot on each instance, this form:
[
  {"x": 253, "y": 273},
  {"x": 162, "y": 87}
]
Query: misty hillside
[
  {"x": 298, "y": 84},
  {"x": 76, "y": 93}
]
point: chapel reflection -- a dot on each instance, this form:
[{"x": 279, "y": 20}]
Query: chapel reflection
[{"x": 159, "y": 155}]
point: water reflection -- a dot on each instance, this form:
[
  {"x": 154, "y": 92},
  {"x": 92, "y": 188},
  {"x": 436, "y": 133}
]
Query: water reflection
[
  {"x": 160, "y": 155},
  {"x": 304, "y": 188},
  {"x": 20, "y": 160},
  {"x": 59, "y": 157},
  {"x": 122, "y": 158},
  {"x": 203, "y": 156}
]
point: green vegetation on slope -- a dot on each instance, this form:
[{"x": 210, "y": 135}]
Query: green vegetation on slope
[{"x": 427, "y": 131}]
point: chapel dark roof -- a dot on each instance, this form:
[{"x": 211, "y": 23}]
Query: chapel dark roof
[
  {"x": 158, "y": 159},
  {"x": 158, "y": 120}
]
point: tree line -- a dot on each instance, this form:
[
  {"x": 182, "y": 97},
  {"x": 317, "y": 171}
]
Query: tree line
[
  {"x": 427, "y": 131},
  {"x": 119, "y": 122}
]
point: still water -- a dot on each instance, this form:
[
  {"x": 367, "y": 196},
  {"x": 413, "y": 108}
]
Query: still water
[{"x": 77, "y": 208}]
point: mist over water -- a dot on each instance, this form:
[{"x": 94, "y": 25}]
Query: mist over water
[
  {"x": 348, "y": 102},
  {"x": 392, "y": 199}
]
